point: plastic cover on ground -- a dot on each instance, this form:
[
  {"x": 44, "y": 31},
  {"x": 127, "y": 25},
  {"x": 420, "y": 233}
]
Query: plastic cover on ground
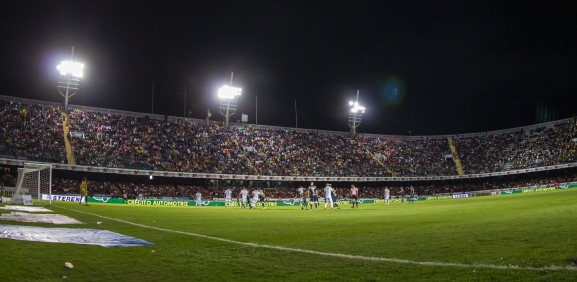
[
  {"x": 39, "y": 218},
  {"x": 28, "y": 209},
  {"x": 82, "y": 236}
]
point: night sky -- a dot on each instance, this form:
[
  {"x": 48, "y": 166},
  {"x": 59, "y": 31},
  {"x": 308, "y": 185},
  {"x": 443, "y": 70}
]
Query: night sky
[{"x": 429, "y": 67}]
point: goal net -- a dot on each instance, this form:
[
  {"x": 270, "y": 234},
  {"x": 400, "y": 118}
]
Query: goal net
[{"x": 33, "y": 180}]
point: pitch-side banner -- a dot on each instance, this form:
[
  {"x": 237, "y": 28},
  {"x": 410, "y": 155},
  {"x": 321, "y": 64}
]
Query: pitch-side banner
[
  {"x": 288, "y": 202},
  {"x": 63, "y": 198},
  {"x": 530, "y": 190},
  {"x": 280, "y": 178}
]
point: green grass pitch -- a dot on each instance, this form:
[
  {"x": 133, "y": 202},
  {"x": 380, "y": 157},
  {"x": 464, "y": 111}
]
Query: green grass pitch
[{"x": 526, "y": 230}]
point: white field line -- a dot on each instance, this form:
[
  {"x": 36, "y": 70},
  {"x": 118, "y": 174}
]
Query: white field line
[{"x": 393, "y": 260}]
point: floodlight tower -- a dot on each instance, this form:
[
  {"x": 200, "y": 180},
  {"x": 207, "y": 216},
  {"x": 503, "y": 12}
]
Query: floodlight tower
[
  {"x": 228, "y": 99},
  {"x": 69, "y": 81},
  {"x": 355, "y": 114}
]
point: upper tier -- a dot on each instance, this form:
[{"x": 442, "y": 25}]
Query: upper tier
[{"x": 136, "y": 140}]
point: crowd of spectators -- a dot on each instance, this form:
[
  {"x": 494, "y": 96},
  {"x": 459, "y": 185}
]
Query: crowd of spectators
[
  {"x": 287, "y": 152},
  {"x": 120, "y": 141},
  {"x": 546, "y": 146},
  {"x": 175, "y": 145},
  {"x": 7, "y": 178},
  {"x": 483, "y": 154},
  {"x": 415, "y": 157},
  {"x": 166, "y": 145},
  {"x": 31, "y": 131}
]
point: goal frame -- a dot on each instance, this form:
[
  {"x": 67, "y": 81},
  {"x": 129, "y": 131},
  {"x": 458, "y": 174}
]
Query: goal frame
[{"x": 34, "y": 168}]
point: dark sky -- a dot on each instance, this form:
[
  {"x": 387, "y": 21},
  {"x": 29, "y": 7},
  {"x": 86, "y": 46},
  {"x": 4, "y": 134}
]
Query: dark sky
[{"x": 431, "y": 67}]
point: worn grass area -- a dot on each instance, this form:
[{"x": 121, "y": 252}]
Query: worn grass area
[{"x": 529, "y": 230}]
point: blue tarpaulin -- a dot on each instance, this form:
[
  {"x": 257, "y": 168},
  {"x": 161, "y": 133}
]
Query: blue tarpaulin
[{"x": 82, "y": 236}]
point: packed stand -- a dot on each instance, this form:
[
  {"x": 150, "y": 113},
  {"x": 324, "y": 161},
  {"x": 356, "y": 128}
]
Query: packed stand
[
  {"x": 484, "y": 154},
  {"x": 106, "y": 140},
  {"x": 166, "y": 145},
  {"x": 286, "y": 152},
  {"x": 31, "y": 131},
  {"x": 545, "y": 146},
  {"x": 415, "y": 157}
]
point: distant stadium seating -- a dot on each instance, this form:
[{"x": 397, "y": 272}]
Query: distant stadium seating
[
  {"x": 123, "y": 141},
  {"x": 33, "y": 132}
]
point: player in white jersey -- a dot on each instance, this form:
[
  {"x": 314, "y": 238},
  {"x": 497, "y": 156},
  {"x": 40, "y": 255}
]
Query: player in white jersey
[
  {"x": 228, "y": 197},
  {"x": 387, "y": 195},
  {"x": 302, "y": 193},
  {"x": 328, "y": 196},
  {"x": 255, "y": 194},
  {"x": 198, "y": 199},
  {"x": 244, "y": 197}
]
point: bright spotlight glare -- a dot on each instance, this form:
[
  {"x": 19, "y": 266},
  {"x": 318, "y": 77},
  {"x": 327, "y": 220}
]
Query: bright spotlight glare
[
  {"x": 228, "y": 92},
  {"x": 356, "y": 108},
  {"x": 72, "y": 68}
]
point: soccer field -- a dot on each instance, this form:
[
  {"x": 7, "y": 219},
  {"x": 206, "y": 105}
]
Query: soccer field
[{"x": 475, "y": 237}]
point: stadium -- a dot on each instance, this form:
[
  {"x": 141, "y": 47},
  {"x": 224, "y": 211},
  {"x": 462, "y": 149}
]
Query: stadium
[{"x": 93, "y": 193}]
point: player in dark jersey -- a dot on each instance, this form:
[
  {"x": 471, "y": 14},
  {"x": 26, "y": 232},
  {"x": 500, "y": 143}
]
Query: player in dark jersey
[
  {"x": 412, "y": 195},
  {"x": 314, "y": 196},
  {"x": 334, "y": 196},
  {"x": 261, "y": 199}
]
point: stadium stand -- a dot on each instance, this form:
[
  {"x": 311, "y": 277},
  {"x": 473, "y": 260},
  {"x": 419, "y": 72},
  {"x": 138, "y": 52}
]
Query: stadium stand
[
  {"x": 116, "y": 140},
  {"x": 32, "y": 132}
]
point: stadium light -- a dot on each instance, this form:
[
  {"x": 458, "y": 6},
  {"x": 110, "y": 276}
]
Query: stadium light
[
  {"x": 72, "y": 68},
  {"x": 228, "y": 92},
  {"x": 355, "y": 114},
  {"x": 69, "y": 81},
  {"x": 228, "y": 99}
]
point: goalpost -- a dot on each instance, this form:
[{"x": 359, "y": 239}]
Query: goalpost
[{"x": 34, "y": 180}]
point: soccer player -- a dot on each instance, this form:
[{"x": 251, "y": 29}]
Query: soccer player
[
  {"x": 402, "y": 195},
  {"x": 125, "y": 197},
  {"x": 328, "y": 196},
  {"x": 84, "y": 191},
  {"x": 334, "y": 196},
  {"x": 387, "y": 195},
  {"x": 244, "y": 196},
  {"x": 313, "y": 194},
  {"x": 261, "y": 198},
  {"x": 227, "y": 197},
  {"x": 238, "y": 201},
  {"x": 412, "y": 197},
  {"x": 301, "y": 192},
  {"x": 354, "y": 196},
  {"x": 255, "y": 194},
  {"x": 198, "y": 199}
]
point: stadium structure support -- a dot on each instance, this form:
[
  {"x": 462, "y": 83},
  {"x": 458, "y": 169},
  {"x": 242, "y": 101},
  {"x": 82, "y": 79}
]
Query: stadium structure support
[
  {"x": 228, "y": 96},
  {"x": 69, "y": 81},
  {"x": 355, "y": 114}
]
